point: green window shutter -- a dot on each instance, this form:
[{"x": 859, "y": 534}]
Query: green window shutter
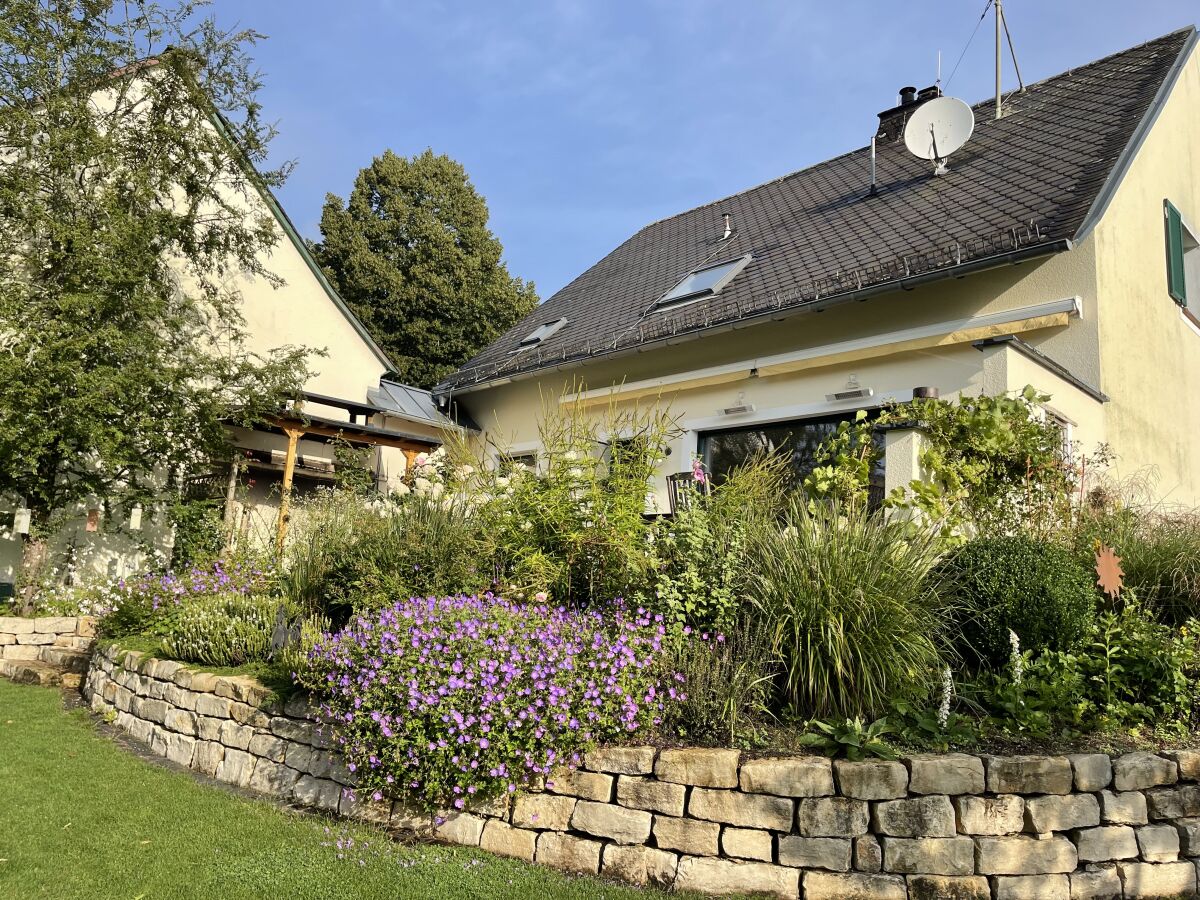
[{"x": 1176, "y": 285}]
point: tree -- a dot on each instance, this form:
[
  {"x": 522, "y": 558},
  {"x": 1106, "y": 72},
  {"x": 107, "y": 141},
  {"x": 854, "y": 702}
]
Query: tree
[
  {"x": 413, "y": 256},
  {"x": 128, "y": 210}
]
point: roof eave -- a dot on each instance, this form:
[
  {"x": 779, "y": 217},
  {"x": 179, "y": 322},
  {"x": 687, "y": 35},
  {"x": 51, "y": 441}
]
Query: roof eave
[
  {"x": 1117, "y": 175},
  {"x": 1012, "y": 257}
]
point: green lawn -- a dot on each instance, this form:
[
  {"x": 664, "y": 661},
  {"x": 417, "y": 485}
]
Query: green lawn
[{"x": 83, "y": 818}]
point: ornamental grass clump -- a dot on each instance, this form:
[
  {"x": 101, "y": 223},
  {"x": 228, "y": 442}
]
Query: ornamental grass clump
[{"x": 449, "y": 701}]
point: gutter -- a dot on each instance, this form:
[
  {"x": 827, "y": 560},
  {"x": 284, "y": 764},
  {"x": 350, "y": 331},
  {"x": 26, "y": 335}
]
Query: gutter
[
  {"x": 1109, "y": 189},
  {"x": 1051, "y": 365},
  {"x": 1013, "y": 257}
]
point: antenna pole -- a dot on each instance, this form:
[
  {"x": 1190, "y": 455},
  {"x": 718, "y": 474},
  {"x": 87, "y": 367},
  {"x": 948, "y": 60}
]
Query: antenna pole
[{"x": 998, "y": 4}]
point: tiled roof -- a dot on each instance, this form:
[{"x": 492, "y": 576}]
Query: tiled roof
[{"x": 1023, "y": 182}]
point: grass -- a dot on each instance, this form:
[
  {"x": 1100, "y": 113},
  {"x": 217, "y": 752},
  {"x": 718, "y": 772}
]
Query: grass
[{"x": 85, "y": 818}]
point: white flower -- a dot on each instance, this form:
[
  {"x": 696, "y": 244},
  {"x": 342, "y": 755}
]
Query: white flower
[
  {"x": 1018, "y": 664},
  {"x": 402, "y": 489},
  {"x": 422, "y": 485},
  {"x": 947, "y": 691},
  {"x": 502, "y": 481},
  {"x": 570, "y": 456},
  {"x": 527, "y": 525}
]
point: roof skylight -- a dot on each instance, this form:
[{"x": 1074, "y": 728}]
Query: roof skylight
[
  {"x": 540, "y": 334},
  {"x": 703, "y": 282}
]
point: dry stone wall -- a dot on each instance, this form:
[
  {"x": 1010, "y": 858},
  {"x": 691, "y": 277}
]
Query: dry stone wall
[
  {"x": 1081, "y": 827},
  {"x": 46, "y": 650}
]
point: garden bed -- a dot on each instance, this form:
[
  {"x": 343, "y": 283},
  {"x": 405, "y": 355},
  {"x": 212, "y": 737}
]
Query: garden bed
[{"x": 705, "y": 819}]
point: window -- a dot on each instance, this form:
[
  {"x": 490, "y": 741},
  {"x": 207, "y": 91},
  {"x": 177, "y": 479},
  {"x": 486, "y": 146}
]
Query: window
[
  {"x": 723, "y": 451},
  {"x": 1064, "y": 426},
  {"x": 508, "y": 463},
  {"x": 703, "y": 282},
  {"x": 540, "y": 334},
  {"x": 1183, "y": 261}
]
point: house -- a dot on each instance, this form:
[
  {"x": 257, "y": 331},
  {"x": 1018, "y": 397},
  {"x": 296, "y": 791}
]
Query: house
[
  {"x": 349, "y": 397},
  {"x": 1060, "y": 250}
]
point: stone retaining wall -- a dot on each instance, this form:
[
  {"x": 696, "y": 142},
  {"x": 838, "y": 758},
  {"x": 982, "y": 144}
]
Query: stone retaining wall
[
  {"x": 1080, "y": 827},
  {"x": 59, "y": 643}
]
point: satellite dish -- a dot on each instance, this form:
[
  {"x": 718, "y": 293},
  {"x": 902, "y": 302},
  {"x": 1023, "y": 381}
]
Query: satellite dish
[{"x": 937, "y": 128}]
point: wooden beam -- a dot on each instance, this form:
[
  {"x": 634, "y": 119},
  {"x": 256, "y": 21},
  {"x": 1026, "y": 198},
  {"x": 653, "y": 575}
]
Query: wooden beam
[
  {"x": 285, "y": 498},
  {"x": 329, "y": 431}
]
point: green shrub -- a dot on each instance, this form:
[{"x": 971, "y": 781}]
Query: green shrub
[
  {"x": 1159, "y": 550},
  {"x": 222, "y": 630},
  {"x": 729, "y": 683},
  {"x": 855, "y": 620},
  {"x": 703, "y": 558},
  {"x": 350, "y": 553},
  {"x": 1035, "y": 589}
]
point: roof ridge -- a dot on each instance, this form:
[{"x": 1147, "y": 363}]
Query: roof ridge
[{"x": 816, "y": 165}]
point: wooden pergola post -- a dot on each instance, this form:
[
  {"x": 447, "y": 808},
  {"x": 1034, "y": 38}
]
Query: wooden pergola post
[
  {"x": 285, "y": 498},
  {"x": 228, "y": 523}
]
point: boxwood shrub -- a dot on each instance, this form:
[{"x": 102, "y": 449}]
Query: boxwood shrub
[{"x": 1014, "y": 583}]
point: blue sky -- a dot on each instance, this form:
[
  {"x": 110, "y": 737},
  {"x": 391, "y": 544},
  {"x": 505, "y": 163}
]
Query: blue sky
[{"x": 580, "y": 122}]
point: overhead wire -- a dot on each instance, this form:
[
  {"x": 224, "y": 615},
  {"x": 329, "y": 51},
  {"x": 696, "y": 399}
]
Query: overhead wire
[{"x": 967, "y": 46}]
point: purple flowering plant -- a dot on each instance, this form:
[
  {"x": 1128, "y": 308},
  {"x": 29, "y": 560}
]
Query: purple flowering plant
[{"x": 453, "y": 700}]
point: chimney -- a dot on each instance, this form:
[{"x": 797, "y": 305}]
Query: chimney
[{"x": 891, "y": 121}]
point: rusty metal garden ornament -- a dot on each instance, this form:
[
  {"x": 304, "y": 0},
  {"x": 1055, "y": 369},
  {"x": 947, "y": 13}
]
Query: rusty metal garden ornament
[{"x": 1110, "y": 577}]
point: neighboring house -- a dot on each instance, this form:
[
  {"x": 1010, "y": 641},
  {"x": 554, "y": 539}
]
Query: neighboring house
[
  {"x": 1060, "y": 250},
  {"x": 348, "y": 398}
]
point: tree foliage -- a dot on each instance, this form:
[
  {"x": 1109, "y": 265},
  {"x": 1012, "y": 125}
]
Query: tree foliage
[
  {"x": 412, "y": 254},
  {"x": 129, "y": 211}
]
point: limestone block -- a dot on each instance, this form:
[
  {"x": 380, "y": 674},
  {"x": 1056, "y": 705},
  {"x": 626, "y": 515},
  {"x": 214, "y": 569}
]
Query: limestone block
[
  {"x": 273, "y": 778},
  {"x": 950, "y": 773},
  {"x": 868, "y": 855},
  {"x": 406, "y": 818},
  {"x": 1180, "y": 802},
  {"x": 151, "y": 710},
  {"x": 269, "y": 746},
  {"x": 85, "y": 626},
  {"x": 1032, "y": 887},
  {"x": 360, "y": 806},
  {"x": 1145, "y": 880},
  {"x": 815, "y": 852},
  {"x": 1060, "y": 813},
  {"x": 1124, "y": 808},
  {"x": 648, "y": 793},
  {"x": 212, "y": 705},
  {"x": 571, "y": 854},
  {"x": 686, "y": 835},
  {"x": 1138, "y": 771},
  {"x": 832, "y": 817},
  {"x": 746, "y": 810},
  {"x": 55, "y": 625},
  {"x": 587, "y": 785},
  {"x": 1189, "y": 836},
  {"x": 872, "y": 779},
  {"x": 1106, "y": 843},
  {"x": 183, "y": 678},
  {"x": 747, "y": 843},
  {"x": 706, "y": 768},
  {"x": 505, "y": 840},
  {"x": 1093, "y": 771},
  {"x": 292, "y": 730},
  {"x": 929, "y": 856},
  {"x": 459, "y": 828},
  {"x": 208, "y": 757},
  {"x": 1024, "y": 855},
  {"x": 806, "y": 777},
  {"x": 707, "y": 875},
  {"x": 24, "y": 654},
  {"x": 492, "y": 808},
  {"x": 236, "y": 767},
  {"x": 16, "y": 625},
  {"x": 948, "y": 887},
  {"x": 625, "y": 826},
  {"x": 928, "y": 816},
  {"x": 1158, "y": 843},
  {"x": 245, "y": 714},
  {"x": 853, "y": 886},
  {"x": 236, "y": 736},
  {"x": 1029, "y": 774},
  {"x": 140, "y": 730},
  {"x": 620, "y": 760},
  {"x": 6, "y": 639},
  {"x": 35, "y": 639},
  {"x": 310, "y": 791},
  {"x": 1188, "y": 762},
  {"x": 540, "y": 811},
  {"x": 1097, "y": 884},
  {"x": 639, "y": 865},
  {"x": 208, "y": 728},
  {"x": 177, "y": 696},
  {"x": 180, "y": 720},
  {"x": 203, "y": 682},
  {"x": 180, "y": 749},
  {"x": 306, "y": 759},
  {"x": 990, "y": 815}
]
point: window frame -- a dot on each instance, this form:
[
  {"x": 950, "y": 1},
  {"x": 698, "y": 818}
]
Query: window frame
[
  {"x": 736, "y": 265},
  {"x": 1183, "y": 253},
  {"x": 540, "y": 334}
]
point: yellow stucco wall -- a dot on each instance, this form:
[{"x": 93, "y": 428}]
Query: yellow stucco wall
[{"x": 1150, "y": 353}]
